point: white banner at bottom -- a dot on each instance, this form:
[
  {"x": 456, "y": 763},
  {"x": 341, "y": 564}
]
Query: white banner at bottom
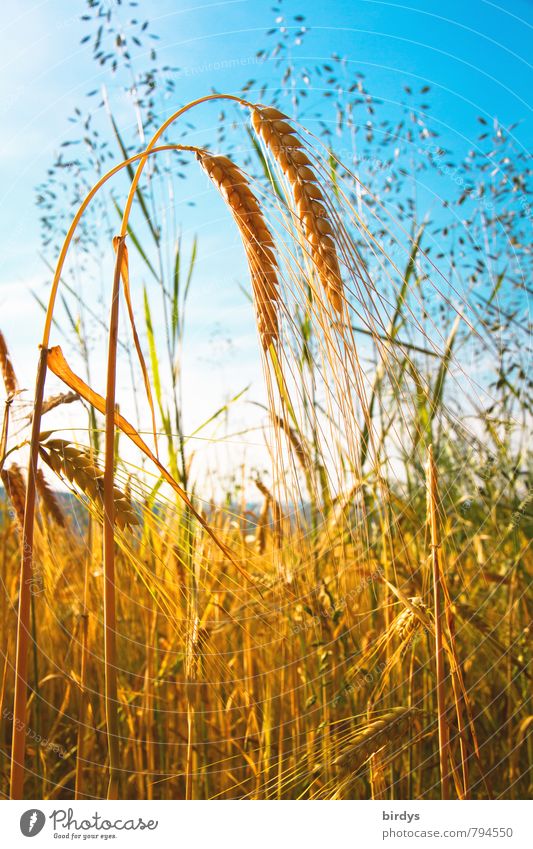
[{"x": 264, "y": 825}]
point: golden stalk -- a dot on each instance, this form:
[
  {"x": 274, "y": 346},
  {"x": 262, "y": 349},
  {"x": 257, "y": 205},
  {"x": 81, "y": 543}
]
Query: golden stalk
[
  {"x": 444, "y": 734},
  {"x": 82, "y": 712},
  {"x": 110, "y": 624},
  {"x": 18, "y": 744}
]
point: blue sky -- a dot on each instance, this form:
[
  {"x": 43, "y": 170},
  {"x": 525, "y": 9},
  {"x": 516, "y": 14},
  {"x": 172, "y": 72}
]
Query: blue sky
[{"x": 475, "y": 55}]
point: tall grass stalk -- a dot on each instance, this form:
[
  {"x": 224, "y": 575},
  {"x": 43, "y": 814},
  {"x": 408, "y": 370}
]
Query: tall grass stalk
[
  {"x": 110, "y": 620},
  {"x": 444, "y": 732}
]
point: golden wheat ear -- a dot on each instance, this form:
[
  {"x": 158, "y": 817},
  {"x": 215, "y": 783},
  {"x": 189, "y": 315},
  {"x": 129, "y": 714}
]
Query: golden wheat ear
[
  {"x": 76, "y": 464},
  {"x": 6, "y": 366},
  {"x": 370, "y": 738},
  {"x": 288, "y": 151},
  {"x": 49, "y": 500},
  {"x": 257, "y": 240},
  {"x": 407, "y": 624},
  {"x": 15, "y": 488}
]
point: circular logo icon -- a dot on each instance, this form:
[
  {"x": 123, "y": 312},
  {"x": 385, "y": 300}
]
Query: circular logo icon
[{"x": 32, "y": 822}]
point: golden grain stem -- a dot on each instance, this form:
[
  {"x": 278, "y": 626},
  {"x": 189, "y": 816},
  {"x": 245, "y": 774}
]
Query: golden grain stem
[
  {"x": 7, "y": 665},
  {"x": 143, "y": 158},
  {"x": 189, "y": 767},
  {"x": 110, "y": 642},
  {"x": 4, "y": 434},
  {"x": 18, "y": 747},
  {"x": 460, "y": 696},
  {"x": 80, "y": 749},
  {"x": 444, "y": 735},
  {"x": 76, "y": 220},
  {"x": 410, "y": 689},
  {"x": 192, "y": 674},
  {"x": 149, "y": 721}
]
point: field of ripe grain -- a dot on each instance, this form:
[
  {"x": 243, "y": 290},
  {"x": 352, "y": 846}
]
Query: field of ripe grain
[{"x": 349, "y": 621}]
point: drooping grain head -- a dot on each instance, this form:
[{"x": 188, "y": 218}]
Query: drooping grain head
[
  {"x": 76, "y": 464},
  {"x": 407, "y": 623},
  {"x": 6, "y": 365},
  {"x": 257, "y": 240},
  {"x": 373, "y": 736},
  {"x": 288, "y": 150},
  {"x": 49, "y": 500},
  {"x": 57, "y": 400},
  {"x": 295, "y": 441},
  {"x": 15, "y": 487}
]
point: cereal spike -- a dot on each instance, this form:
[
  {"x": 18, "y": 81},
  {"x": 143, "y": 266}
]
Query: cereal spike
[
  {"x": 275, "y": 130},
  {"x": 49, "y": 500},
  {"x": 6, "y": 366},
  {"x": 15, "y": 488},
  {"x": 373, "y": 736},
  {"x": 257, "y": 240},
  {"x": 76, "y": 464}
]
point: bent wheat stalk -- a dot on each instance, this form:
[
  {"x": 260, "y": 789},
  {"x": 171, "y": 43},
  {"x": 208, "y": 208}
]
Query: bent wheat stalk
[
  {"x": 59, "y": 366},
  {"x": 110, "y": 639},
  {"x": 26, "y": 568}
]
